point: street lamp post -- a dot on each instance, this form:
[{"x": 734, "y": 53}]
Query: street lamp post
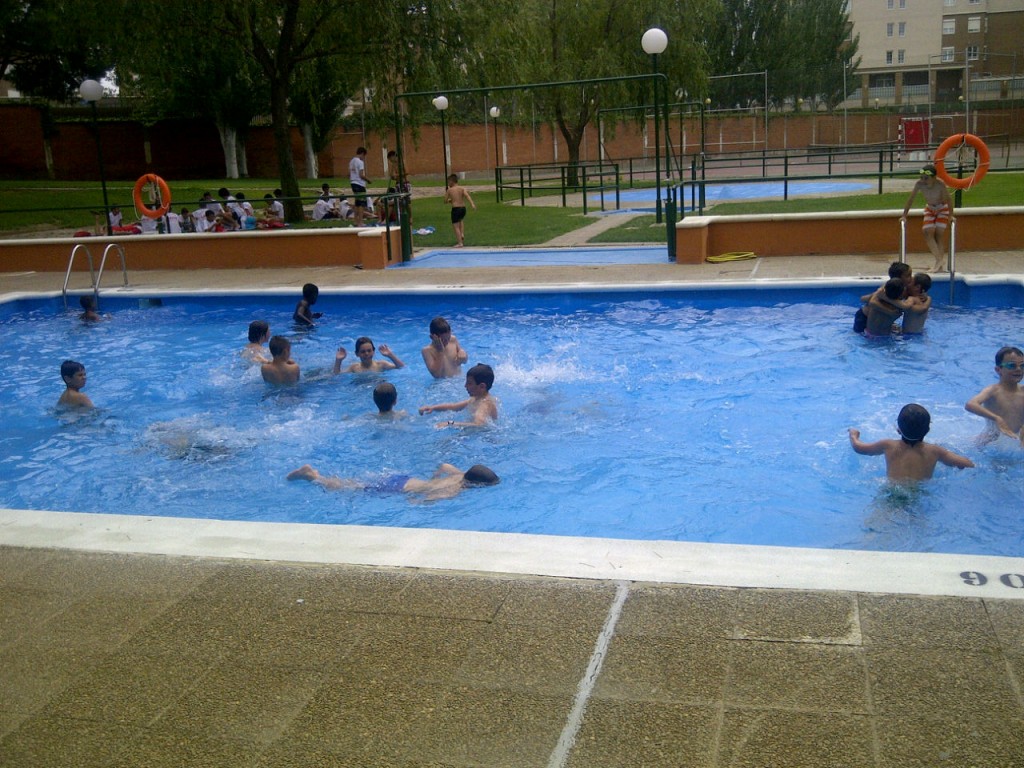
[
  {"x": 495, "y": 114},
  {"x": 655, "y": 41},
  {"x": 92, "y": 91},
  {"x": 441, "y": 104}
]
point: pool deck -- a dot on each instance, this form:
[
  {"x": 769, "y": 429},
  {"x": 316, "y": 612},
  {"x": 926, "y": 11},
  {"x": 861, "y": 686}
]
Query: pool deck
[{"x": 116, "y": 654}]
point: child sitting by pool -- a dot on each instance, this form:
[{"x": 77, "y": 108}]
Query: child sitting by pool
[
  {"x": 259, "y": 334},
  {"x": 385, "y": 395},
  {"x": 303, "y": 315},
  {"x": 1002, "y": 403},
  {"x": 448, "y": 481},
  {"x": 910, "y": 458},
  {"x": 917, "y": 304},
  {"x": 366, "y": 364},
  {"x": 73, "y": 374},
  {"x": 483, "y": 408},
  {"x": 282, "y": 370},
  {"x": 443, "y": 355}
]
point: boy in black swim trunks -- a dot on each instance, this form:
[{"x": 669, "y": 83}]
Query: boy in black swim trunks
[
  {"x": 447, "y": 481},
  {"x": 457, "y": 196}
]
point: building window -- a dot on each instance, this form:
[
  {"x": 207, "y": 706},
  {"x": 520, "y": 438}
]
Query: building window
[
  {"x": 889, "y": 28},
  {"x": 972, "y": 53},
  {"x": 947, "y": 53},
  {"x": 888, "y": 57},
  {"x": 949, "y": 3},
  {"x": 890, "y": 4},
  {"x": 903, "y": 29},
  {"x": 974, "y": 2},
  {"x": 903, "y": 3},
  {"x": 900, "y": 56},
  {"x": 974, "y": 23},
  {"x": 949, "y": 26}
]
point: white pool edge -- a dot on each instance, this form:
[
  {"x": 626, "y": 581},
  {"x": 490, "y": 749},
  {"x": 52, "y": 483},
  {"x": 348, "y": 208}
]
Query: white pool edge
[{"x": 669, "y": 562}]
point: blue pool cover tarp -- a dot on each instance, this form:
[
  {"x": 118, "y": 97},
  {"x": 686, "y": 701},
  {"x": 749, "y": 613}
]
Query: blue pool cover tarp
[{"x": 633, "y": 200}]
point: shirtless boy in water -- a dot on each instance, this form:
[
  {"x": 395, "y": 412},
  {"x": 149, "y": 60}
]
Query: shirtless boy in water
[
  {"x": 73, "y": 374},
  {"x": 883, "y": 309},
  {"x": 259, "y": 334},
  {"x": 1002, "y": 403},
  {"x": 938, "y": 212},
  {"x": 910, "y": 458},
  {"x": 443, "y": 356},
  {"x": 282, "y": 370},
  {"x": 447, "y": 481},
  {"x": 483, "y": 408},
  {"x": 366, "y": 364}
]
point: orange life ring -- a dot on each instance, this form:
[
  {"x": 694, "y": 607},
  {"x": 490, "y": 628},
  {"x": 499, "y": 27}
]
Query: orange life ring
[
  {"x": 165, "y": 196},
  {"x": 956, "y": 140}
]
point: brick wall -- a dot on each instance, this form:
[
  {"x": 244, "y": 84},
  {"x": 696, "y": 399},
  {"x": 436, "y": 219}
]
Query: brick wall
[{"x": 180, "y": 149}]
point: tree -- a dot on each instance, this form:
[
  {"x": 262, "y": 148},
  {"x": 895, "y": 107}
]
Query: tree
[
  {"x": 318, "y": 98},
  {"x": 562, "y": 40},
  {"x": 746, "y": 38},
  {"x": 803, "y": 45},
  {"x": 382, "y": 40},
  {"x": 47, "y": 47},
  {"x": 188, "y": 73}
]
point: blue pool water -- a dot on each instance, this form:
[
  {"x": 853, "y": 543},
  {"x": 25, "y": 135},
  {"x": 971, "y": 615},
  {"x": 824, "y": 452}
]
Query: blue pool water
[
  {"x": 646, "y": 199},
  {"x": 535, "y": 257},
  {"x": 715, "y": 415}
]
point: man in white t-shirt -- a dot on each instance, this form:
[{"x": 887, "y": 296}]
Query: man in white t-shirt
[{"x": 357, "y": 178}]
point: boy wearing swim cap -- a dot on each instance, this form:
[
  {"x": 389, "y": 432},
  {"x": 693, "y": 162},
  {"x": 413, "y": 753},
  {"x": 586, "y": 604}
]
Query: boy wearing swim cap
[
  {"x": 938, "y": 212},
  {"x": 910, "y": 458}
]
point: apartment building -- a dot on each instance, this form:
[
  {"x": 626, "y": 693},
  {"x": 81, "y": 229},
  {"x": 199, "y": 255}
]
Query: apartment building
[{"x": 936, "y": 51}]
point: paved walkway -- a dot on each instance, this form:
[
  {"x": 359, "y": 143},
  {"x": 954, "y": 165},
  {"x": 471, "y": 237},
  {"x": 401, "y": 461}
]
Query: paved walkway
[{"x": 149, "y": 660}]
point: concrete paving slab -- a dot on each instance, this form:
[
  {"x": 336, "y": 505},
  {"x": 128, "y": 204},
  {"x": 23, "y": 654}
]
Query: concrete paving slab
[{"x": 753, "y": 739}]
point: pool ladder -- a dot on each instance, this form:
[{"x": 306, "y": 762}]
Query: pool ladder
[
  {"x": 950, "y": 258},
  {"x": 94, "y": 276}
]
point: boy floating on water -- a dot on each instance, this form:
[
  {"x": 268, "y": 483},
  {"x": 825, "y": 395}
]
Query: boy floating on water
[
  {"x": 938, "y": 212},
  {"x": 73, "y": 374},
  {"x": 483, "y": 408},
  {"x": 447, "y": 481},
  {"x": 910, "y": 458},
  {"x": 1002, "y": 403}
]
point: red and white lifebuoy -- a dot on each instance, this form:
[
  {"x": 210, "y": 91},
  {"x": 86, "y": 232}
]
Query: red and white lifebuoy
[
  {"x": 958, "y": 140},
  {"x": 165, "y": 196}
]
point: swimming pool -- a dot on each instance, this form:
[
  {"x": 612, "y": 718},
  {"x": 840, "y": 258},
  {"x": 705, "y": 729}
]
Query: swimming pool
[
  {"x": 713, "y": 415},
  {"x": 645, "y": 199}
]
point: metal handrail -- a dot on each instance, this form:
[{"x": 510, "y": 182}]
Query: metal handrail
[
  {"x": 71, "y": 262},
  {"x": 103, "y": 262}
]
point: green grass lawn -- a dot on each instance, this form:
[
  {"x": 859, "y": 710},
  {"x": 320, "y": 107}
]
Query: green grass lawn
[{"x": 27, "y": 205}]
